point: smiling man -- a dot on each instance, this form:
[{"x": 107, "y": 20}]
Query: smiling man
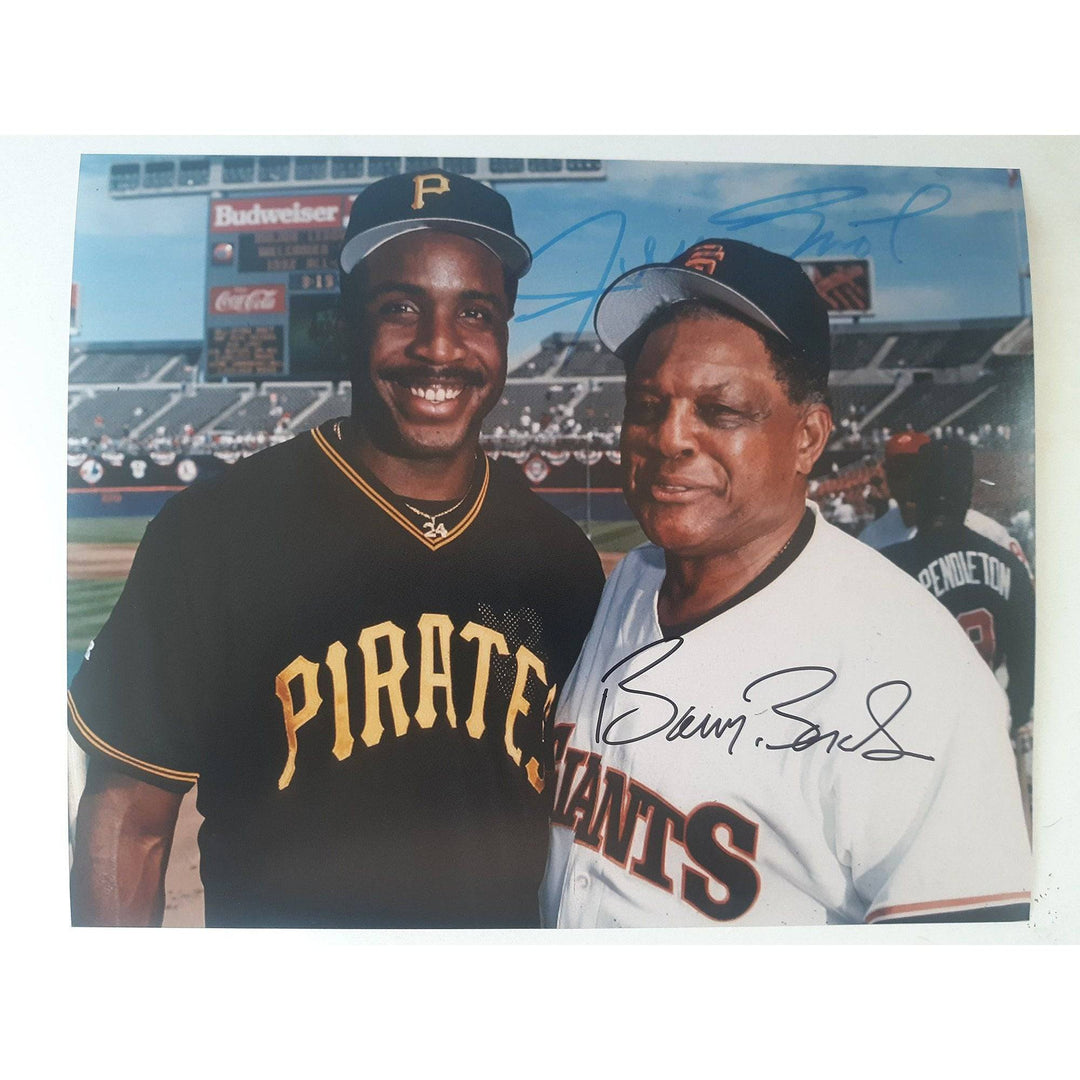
[
  {"x": 767, "y": 725},
  {"x": 352, "y": 642}
]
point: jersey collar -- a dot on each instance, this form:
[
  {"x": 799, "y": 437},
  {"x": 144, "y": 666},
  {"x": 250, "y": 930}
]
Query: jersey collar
[
  {"x": 787, "y": 555},
  {"x": 370, "y": 488}
]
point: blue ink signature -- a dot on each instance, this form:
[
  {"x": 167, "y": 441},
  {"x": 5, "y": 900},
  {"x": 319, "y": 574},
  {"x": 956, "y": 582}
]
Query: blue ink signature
[{"x": 808, "y": 204}]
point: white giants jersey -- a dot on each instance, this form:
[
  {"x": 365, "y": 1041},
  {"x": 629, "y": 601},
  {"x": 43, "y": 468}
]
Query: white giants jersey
[
  {"x": 890, "y": 529},
  {"x": 828, "y": 749}
]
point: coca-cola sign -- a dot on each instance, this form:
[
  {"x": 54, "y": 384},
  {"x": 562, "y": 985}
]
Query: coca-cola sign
[
  {"x": 251, "y": 215},
  {"x": 247, "y": 300}
]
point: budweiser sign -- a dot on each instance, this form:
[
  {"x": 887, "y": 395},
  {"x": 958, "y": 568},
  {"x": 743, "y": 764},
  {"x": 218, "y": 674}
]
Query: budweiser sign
[
  {"x": 247, "y": 300},
  {"x": 248, "y": 215}
]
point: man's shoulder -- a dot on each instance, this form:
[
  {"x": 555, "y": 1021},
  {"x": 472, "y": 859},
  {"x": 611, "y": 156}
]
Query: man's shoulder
[
  {"x": 520, "y": 507},
  {"x": 902, "y": 553},
  {"x": 249, "y": 481},
  {"x": 885, "y": 530},
  {"x": 642, "y": 567},
  {"x": 998, "y": 535},
  {"x": 870, "y": 584},
  {"x": 988, "y": 546},
  {"x": 986, "y": 526}
]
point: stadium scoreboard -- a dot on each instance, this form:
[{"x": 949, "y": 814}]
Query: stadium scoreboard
[{"x": 273, "y": 286}]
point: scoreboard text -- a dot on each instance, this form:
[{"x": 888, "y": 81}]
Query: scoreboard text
[{"x": 268, "y": 256}]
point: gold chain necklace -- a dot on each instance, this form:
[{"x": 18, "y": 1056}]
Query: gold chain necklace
[{"x": 433, "y": 528}]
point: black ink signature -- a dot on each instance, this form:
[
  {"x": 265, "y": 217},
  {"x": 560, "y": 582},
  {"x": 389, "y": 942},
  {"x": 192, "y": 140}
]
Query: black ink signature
[
  {"x": 657, "y": 718},
  {"x": 812, "y": 733},
  {"x": 654, "y": 713},
  {"x": 807, "y": 204}
]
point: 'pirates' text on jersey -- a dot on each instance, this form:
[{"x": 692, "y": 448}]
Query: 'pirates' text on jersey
[{"x": 362, "y": 706}]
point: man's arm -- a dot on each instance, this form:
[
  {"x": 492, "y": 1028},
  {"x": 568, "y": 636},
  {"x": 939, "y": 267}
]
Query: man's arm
[{"x": 123, "y": 836}]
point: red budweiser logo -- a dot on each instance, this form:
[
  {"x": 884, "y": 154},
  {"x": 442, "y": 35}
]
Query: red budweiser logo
[
  {"x": 247, "y": 299},
  {"x": 251, "y": 215}
]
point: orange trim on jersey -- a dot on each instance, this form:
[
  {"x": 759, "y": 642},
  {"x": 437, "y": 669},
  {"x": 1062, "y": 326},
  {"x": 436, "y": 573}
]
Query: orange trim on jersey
[
  {"x": 947, "y": 905},
  {"x": 392, "y": 511},
  {"x": 105, "y": 748}
]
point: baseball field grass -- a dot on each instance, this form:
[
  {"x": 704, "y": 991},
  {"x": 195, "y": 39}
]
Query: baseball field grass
[
  {"x": 614, "y": 537},
  {"x": 99, "y": 554},
  {"x": 106, "y": 530}
]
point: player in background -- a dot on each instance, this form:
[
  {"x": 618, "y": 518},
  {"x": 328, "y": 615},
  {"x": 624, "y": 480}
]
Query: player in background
[
  {"x": 768, "y": 724},
  {"x": 986, "y": 588},
  {"x": 351, "y": 641},
  {"x": 898, "y": 522}
]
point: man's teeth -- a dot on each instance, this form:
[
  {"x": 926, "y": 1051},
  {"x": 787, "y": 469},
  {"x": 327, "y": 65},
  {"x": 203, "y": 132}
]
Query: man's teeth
[{"x": 435, "y": 393}]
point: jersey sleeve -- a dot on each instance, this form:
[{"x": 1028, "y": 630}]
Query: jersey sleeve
[
  {"x": 140, "y": 698},
  {"x": 944, "y": 838}
]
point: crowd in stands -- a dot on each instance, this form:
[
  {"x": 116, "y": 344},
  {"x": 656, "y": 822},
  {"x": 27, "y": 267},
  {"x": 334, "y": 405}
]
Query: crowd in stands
[
  {"x": 569, "y": 395},
  {"x": 873, "y": 439},
  {"x": 854, "y": 495},
  {"x": 568, "y": 415}
]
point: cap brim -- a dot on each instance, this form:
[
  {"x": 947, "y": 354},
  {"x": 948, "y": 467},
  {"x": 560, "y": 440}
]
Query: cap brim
[
  {"x": 632, "y": 299},
  {"x": 509, "y": 250}
]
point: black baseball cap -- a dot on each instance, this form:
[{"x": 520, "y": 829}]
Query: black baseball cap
[
  {"x": 770, "y": 290},
  {"x": 433, "y": 200}
]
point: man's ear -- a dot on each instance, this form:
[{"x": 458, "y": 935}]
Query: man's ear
[{"x": 814, "y": 432}]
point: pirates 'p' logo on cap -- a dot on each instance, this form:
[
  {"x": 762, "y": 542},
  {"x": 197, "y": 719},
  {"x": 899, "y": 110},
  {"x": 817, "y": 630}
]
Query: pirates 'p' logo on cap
[
  {"x": 439, "y": 200},
  {"x": 704, "y": 257},
  {"x": 426, "y": 184}
]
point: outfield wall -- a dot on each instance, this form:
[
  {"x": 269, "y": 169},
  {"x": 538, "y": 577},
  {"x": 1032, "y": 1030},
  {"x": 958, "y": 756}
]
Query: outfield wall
[{"x": 139, "y": 487}]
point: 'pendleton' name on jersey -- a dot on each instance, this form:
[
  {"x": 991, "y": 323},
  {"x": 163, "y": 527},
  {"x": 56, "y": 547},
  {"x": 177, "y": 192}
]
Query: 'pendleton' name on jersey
[
  {"x": 990, "y": 593},
  {"x": 957, "y": 568}
]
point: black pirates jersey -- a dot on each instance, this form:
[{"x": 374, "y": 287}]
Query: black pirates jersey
[
  {"x": 989, "y": 591},
  {"x": 363, "y": 706}
]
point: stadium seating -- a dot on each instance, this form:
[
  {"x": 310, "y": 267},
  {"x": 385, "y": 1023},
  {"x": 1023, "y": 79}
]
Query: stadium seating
[
  {"x": 541, "y": 401},
  {"x": 856, "y": 400},
  {"x": 603, "y": 407},
  {"x": 197, "y": 408},
  {"x": 975, "y": 375},
  {"x": 543, "y": 363},
  {"x": 1010, "y": 404},
  {"x": 856, "y": 350},
  {"x": 116, "y": 413},
  {"x": 546, "y": 361},
  {"x": 944, "y": 348},
  {"x": 274, "y": 406},
  {"x": 589, "y": 357},
  {"x": 337, "y": 402},
  {"x": 127, "y": 366},
  {"x": 939, "y": 403}
]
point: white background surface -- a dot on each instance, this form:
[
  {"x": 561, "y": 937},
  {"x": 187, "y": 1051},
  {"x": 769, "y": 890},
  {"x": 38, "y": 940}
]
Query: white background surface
[{"x": 214, "y": 1003}]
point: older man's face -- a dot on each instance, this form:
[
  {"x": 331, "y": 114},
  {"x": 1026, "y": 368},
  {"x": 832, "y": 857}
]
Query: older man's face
[{"x": 714, "y": 454}]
